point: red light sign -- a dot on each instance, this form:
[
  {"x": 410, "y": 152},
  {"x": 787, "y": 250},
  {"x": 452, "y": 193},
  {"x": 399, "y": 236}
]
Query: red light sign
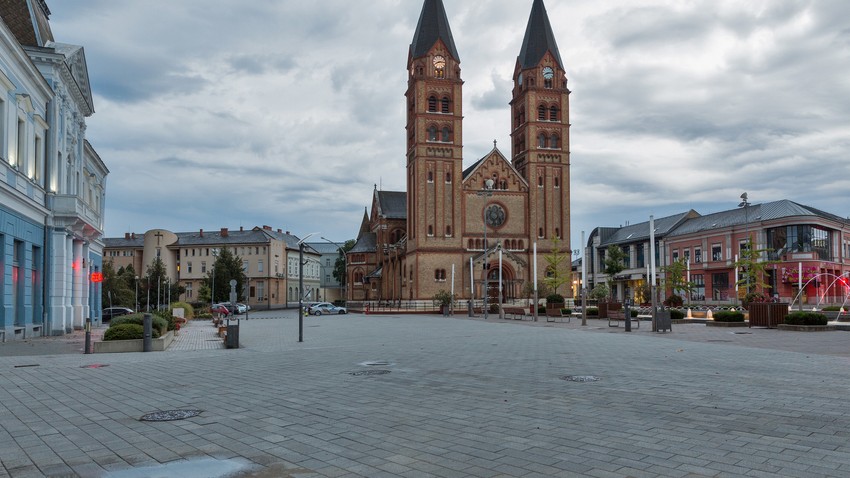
[{"x": 97, "y": 276}]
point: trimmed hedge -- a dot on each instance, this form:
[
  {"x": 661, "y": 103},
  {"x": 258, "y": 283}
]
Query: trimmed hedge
[
  {"x": 127, "y": 331},
  {"x": 567, "y": 311},
  {"x": 728, "y": 316},
  {"x": 676, "y": 314},
  {"x": 593, "y": 311},
  {"x": 831, "y": 308},
  {"x": 805, "y": 318},
  {"x": 158, "y": 323}
]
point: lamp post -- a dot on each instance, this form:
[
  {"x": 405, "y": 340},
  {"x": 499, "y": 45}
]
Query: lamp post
[
  {"x": 137, "y": 293},
  {"x": 746, "y": 204},
  {"x": 486, "y": 192},
  {"x": 301, "y": 286},
  {"x": 344, "y": 278}
]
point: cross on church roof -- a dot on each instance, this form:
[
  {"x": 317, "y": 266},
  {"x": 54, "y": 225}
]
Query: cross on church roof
[{"x": 158, "y": 237}]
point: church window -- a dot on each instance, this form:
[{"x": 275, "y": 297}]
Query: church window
[
  {"x": 539, "y": 181},
  {"x": 448, "y": 177},
  {"x": 448, "y": 231},
  {"x": 540, "y": 232},
  {"x": 432, "y": 104},
  {"x": 541, "y": 113},
  {"x": 553, "y": 141},
  {"x": 430, "y": 176},
  {"x": 547, "y": 82},
  {"x": 557, "y": 233},
  {"x": 445, "y": 104},
  {"x": 470, "y": 244},
  {"x": 521, "y": 245},
  {"x": 445, "y": 134},
  {"x": 557, "y": 182},
  {"x": 439, "y": 275},
  {"x": 522, "y": 115},
  {"x": 553, "y": 113},
  {"x": 432, "y": 133},
  {"x": 541, "y": 141},
  {"x": 503, "y": 184},
  {"x": 430, "y": 231}
]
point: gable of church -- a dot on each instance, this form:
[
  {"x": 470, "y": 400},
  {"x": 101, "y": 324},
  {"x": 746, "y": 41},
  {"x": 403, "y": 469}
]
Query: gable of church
[{"x": 496, "y": 167}]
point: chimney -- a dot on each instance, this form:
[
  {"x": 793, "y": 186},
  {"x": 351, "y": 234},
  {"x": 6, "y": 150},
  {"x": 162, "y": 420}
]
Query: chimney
[
  {"x": 132, "y": 235},
  {"x": 287, "y": 233},
  {"x": 279, "y": 231},
  {"x": 202, "y": 233},
  {"x": 223, "y": 232},
  {"x": 268, "y": 228},
  {"x": 240, "y": 229},
  {"x": 126, "y": 235}
]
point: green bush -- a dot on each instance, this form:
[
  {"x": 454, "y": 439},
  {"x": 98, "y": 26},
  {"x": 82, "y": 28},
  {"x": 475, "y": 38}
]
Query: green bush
[
  {"x": 805, "y": 318},
  {"x": 127, "y": 331},
  {"x": 566, "y": 311},
  {"x": 676, "y": 314},
  {"x": 158, "y": 323},
  {"x": 188, "y": 310},
  {"x": 593, "y": 311},
  {"x": 633, "y": 312},
  {"x": 728, "y": 316},
  {"x": 831, "y": 308},
  {"x": 554, "y": 299},
  {"x": 541, "y": 309},
  {"x": 673, "y": 301}
]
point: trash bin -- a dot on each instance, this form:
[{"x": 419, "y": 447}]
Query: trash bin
[
  {"x": 231, "y": 340},
  {"x": 663, "y": 321}
]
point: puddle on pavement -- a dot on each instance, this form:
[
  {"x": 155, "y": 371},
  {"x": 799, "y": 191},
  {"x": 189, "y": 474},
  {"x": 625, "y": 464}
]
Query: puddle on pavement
[{"x": 196, "y": 468}]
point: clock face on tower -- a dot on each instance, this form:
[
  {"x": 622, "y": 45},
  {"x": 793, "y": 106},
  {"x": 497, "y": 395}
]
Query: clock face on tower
[
  {"x": 439, "y": 62},
  {"x": 548, "y": 73}
]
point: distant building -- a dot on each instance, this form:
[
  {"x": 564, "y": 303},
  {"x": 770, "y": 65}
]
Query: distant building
[
  {"x": 791, "y": 234},
  {"x": 330, "y": 287},
  {"x": 269, "y": 258},
  {"x": 452, "y": 218},
  {"x": 53, "y": 186}
]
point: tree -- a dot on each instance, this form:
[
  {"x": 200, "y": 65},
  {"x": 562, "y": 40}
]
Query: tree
[
  {"x": 752, "y": 270},
  {"x": 226, "y": 267},
  {"x": 599, "y": 292},
  {"x": 556, "y": 274},
  {"x": 155, "y": 277},
  {"x": 675, "y": 277},
  {"x": 528, "y": 290},
  {"x": 614, "y": 264},
  {"x": 339, "y": 272},
  {"x": 116, "y": 290}
]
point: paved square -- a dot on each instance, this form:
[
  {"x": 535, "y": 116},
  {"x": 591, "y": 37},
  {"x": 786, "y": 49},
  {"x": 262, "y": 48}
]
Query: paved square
[{"x": 444, "y": 397}]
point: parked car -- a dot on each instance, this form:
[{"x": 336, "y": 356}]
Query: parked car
[
  {"x": 222, "y": 309},
  {"x": 241, "y": 308},
  {"x": 324, "y": 308},
  {"x": 110, "y": 312}
]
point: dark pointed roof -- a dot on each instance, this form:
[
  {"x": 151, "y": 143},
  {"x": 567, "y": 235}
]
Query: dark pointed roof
[
  {"x": 31, "y": 27},
  {"x": 538, "y": 38},
  {"x": 392, "y": 204},
  {"x": 433, "y": 25}
]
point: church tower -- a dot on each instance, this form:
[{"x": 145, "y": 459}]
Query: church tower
[
  {"x": 540, "y": 130},
  {"x": 434, "y": 136}
]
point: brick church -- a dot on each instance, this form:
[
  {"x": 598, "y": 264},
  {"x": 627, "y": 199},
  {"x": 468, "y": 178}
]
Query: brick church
[{"x": 452, "y": 226}]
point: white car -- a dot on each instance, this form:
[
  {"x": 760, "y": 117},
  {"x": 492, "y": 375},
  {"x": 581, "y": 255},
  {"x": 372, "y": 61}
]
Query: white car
[
  {"x": 241, "y": 308},
  {"x": 324, "y": 308}
]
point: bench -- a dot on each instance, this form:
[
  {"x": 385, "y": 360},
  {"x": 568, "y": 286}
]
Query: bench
[
  {"x": 616, "y": 316},
  {"x": 517, "y": 313},
  {"x": 552, "y": 315}
]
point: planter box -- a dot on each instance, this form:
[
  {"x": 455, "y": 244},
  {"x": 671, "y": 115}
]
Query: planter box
[
  {"x": 712, "y": 323},
  {"x": 807, "y": 328},
  {"x": 767, "y": 314},
  {"x": 135, "y": 345}
]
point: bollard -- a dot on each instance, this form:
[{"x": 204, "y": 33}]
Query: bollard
[
  {"x": 147, "y": 342},
  {"x": 627, "y": 314},
  {"x": 469, "y": 309},
  {"x": 87, "y": 349}
]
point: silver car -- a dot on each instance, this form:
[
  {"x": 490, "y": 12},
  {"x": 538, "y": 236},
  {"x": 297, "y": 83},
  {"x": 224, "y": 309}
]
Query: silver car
[{"x": 324, "y": 308}]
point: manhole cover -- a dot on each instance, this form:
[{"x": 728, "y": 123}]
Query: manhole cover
[
  {"x": 742, "y": 333},
  {"x": 581, "y": 378},
  {"x": 369, "y": 372},
  {"x": 168, "y": 415},
  {"x": 95, "y": 365}
]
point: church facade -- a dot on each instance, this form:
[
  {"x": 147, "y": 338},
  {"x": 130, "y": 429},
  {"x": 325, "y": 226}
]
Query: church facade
[{"x": 467, "y": 230}]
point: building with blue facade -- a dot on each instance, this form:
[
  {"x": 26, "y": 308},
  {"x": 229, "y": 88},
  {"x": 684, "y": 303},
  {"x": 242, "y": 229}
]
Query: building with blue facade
[{"x": 52, "y": 182}]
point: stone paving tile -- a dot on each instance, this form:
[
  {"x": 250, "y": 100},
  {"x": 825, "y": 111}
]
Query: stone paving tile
[{"x": 463, "y": 398}]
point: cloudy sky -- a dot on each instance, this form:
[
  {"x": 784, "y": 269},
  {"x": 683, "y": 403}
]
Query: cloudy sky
[{"x": 230, "y": 113}]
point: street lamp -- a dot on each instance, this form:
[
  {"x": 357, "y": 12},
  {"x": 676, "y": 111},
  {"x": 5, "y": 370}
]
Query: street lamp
[
  {"x": 137, "y": 293},
  {"x": 301, "y": 286},
  {"x": 486, "y": 192},
  {"x": 344, "y": 278},
  {"x": 212, "y": 291},
  {"x": 746, "y": 204}
]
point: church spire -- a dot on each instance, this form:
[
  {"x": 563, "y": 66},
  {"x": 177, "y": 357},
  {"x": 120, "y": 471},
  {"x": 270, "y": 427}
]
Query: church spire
[
  {"x": 433, "y": 25},
  {"x": 538, "y": 38}
]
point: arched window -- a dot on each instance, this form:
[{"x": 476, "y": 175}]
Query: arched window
[
  {"x": 557, "y": 182},
  {"x": 522, "y": 115},
  {"x": 432, "y": 104},
  {"x": 541, "y": 141},
  {"x": 432, "y": 133},
  {"x": 540, "y": 232},
  {"x": 448, "y": 177},
  {"x": 470, "y": 244},
  {"x": 553, "y": 113},
  {"x": 541, "y": 113},
  {"x": 430, "y": 230},
  {"x": 445, "y": 104},
  {"x": 446, "y": 134},
  {"x": 503, "y": 184},
  {"x": 430, "y": 176},
  {"x": 448, "y": 231},
  {"x": 553, "y": 141},
  {"x": 557, "y": 233},
  {"x": 540, "y": 181},
  {"x": 521, "y": 245}
]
